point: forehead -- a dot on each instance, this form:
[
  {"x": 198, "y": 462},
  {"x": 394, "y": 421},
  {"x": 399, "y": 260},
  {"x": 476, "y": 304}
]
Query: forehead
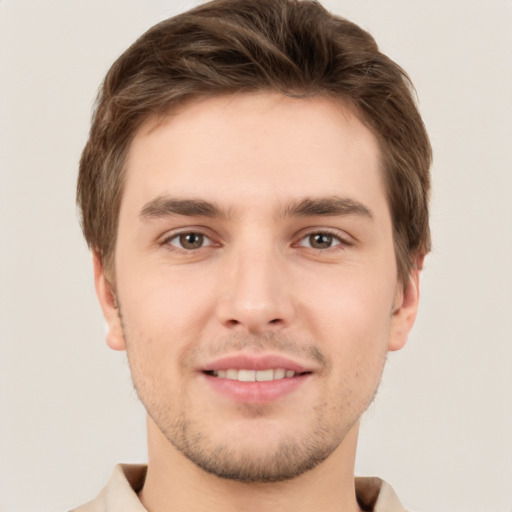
[{"x": 254, "y": 145}]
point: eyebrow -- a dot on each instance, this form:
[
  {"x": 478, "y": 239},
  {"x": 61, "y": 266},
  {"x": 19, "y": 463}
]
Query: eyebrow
[
  {"x": 168, "y": 206},
  {"x": 165, "y": 206},
  {"x": 326, "y": 206}
]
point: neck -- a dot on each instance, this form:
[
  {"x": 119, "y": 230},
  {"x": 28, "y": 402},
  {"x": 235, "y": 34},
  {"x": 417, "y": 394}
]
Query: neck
[{"x": 175, "y": 483}]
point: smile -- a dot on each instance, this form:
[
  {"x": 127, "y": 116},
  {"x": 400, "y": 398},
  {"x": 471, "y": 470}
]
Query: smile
[
  {"x": 253, "y": 375},
  {"x": 256, "y": 378}
]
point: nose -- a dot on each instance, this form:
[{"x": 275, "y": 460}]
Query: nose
[{"x": 255, "y": 295}]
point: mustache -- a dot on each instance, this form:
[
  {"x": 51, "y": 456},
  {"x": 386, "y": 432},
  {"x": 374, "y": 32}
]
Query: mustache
[{"x": 270, "y": 341}]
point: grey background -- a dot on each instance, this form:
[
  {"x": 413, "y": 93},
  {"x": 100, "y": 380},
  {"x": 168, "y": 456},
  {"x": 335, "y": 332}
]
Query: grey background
[{"x": 440, "y": 429}]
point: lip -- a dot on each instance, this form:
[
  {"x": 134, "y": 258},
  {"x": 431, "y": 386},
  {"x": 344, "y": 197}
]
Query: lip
[
  {"x": 255, "y": 362},
  {"x": 255, "y": 392}
]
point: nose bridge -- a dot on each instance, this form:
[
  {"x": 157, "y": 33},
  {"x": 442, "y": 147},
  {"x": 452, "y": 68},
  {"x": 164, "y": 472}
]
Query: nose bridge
[{"x": 254, "y": 295}]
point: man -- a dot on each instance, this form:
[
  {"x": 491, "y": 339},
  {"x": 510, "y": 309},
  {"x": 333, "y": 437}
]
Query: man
[{"x": 255, "y": 193}]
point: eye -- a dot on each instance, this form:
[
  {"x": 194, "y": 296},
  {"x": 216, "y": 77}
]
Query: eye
[
  {"x": 320, "y": 241},
  {"x": 189, "y": 241}
]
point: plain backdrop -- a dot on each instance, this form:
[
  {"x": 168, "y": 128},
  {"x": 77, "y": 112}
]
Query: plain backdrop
[{"x": 440, "y": 430}]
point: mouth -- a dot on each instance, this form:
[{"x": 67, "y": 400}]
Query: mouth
[
  {"x": 255, "y": 379},
  {"x": 247, "y": 375}
]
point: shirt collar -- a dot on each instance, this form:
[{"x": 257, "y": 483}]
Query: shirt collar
[{"x": 120, "y": 493}]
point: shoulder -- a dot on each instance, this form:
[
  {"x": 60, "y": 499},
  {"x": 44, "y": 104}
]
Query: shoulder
[
  {"x": 375, "y": 495},
  {"x": 120, "y": 493}
]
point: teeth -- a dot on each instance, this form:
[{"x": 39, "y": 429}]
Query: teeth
[
  {"x": 279, "y": 373},
  {"x": 230, "y": 374},
  {"x": 246, "y": 375},
  {"x": 253, "y": 375},
  {"x": 265, "y": 375}
]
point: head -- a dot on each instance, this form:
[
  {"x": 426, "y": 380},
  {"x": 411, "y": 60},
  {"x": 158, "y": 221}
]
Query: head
[
  {"x": 290, "y": 47},
  {"x": 254, "y": 190}
]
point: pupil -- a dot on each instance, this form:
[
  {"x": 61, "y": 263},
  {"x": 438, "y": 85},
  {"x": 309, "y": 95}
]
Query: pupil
[
  {"x": 191, "y": 240},
  {"x": 320, "y": 241}
]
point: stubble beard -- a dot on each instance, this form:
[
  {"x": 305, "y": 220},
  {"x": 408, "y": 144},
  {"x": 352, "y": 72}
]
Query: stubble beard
[{"x": 287, "y": 459}]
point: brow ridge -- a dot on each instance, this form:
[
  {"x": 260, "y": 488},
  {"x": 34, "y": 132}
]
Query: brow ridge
[
  {"x": 164, "y": 206},
  {"x": 326, "y": 206}
]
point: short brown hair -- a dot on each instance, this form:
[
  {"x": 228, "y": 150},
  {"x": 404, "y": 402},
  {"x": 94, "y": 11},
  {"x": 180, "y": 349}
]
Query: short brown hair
[{"x": 293, "y": 47}]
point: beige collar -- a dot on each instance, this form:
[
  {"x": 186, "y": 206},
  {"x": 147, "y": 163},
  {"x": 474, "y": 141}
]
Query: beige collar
[{"x": 120, "y": 494}]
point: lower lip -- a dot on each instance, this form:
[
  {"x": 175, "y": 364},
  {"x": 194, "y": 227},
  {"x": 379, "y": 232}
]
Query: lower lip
[{"x": 256, "y": 392}]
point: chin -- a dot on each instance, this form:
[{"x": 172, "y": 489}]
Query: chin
[{"x": 287, "y": 461}]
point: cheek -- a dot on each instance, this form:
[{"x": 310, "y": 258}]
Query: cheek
[
  {"x": 171, "y": 301},
  {"x": 159, "y": 325},
  {"x": 353, "y": 316},
  {"x": 358, "y": 347},
  {"x": 355, "y": 299}
]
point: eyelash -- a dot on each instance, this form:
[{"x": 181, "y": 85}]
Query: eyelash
[
  {"x": 336, "y": 241},
  {"x": 178, "y": 236}
]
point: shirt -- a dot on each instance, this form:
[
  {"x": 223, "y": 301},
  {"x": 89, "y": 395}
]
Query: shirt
[{"x": 120, "y": 493}]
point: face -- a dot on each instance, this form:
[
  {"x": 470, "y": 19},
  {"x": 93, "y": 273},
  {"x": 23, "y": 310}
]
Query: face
[{"x": 256, "y": 282}]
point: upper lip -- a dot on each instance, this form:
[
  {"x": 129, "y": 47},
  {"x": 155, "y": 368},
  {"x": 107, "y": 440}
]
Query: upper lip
[{"x": 246, "y": 361}]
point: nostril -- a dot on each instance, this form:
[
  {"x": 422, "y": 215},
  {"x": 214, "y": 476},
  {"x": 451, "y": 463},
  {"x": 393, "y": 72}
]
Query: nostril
[{"x": 254, "y": 325}]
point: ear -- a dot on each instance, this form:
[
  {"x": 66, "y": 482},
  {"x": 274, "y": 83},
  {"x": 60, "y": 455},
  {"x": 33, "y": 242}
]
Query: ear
[
  {"x": 405, "y": 307},
  {"x": 108, "y": 303}
]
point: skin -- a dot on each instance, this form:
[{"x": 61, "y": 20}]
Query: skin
[{"x": 263, "y": 276}]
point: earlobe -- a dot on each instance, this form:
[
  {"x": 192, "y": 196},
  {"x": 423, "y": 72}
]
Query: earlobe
[
  {"x": 405, "y": 310},
  {"x": 115, "y": 336}
]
